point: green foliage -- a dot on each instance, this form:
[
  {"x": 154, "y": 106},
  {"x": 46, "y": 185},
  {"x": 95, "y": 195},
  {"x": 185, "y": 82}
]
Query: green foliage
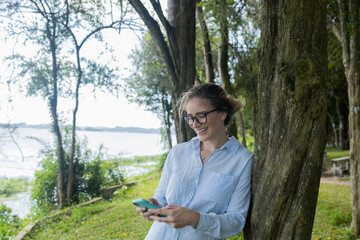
[
  {"x": 149, "y": 82},
  {"x": 10, "y": 186},
  {"x": 94, "y": 177},
  {"x": 162, "y": 161},
  {"x": 113, "y": 175},
  {"x": 9, "y": 224},
  {"x": 250, "y": 142},
  {"x": 92, "y": 172},
  {"x": 43, "y": 192}
]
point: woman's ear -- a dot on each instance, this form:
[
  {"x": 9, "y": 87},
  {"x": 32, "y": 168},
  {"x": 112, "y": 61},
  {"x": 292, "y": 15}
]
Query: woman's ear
[{"x": 223, "y": 116}]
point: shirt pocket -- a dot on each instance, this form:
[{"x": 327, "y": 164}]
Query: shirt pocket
[{"x": 217, "y": 187}]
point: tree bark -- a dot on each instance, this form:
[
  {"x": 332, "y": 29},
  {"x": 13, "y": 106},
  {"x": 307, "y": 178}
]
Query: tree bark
[
  {"x": 341, "y": 125},
  {"x": 179, "y": 53},
  {"x": 242, "y": 130},
  {"x": 291, "y": 120},
  {"x": 349, "y": 12},
  {"x": 209, "y": 66},
  {"x": 166, "y": 120},
  {"x": 223, "y": 58},
  {"x": 336, "y": 140},
  {"x": 53, "y": 100},
  {"x": 73, "y": 132},
  {"x": 253, "y": 118}
]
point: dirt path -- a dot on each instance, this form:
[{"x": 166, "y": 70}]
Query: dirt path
[
  {"x": 327, "y": 177},
  {"x": 334, "y": 180}
]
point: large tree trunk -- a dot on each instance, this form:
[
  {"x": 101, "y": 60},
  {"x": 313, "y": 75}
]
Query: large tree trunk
[
  {"x": 291, "y": 118},
  {"x": 209, "y": 66},
  {"x": 350, "y": 40},
  {"x": 179, "y": 53}
]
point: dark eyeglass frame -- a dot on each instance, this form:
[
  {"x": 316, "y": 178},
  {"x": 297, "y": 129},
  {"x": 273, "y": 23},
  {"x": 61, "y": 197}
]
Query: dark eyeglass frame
[{"x": 187, "y": 118}]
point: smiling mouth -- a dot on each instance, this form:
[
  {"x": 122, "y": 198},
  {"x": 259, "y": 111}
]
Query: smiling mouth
[{"x": 201, "y": 130}]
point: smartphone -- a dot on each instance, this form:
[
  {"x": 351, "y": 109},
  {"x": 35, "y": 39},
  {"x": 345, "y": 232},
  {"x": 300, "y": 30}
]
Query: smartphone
[{"x": 146, "y": 204}]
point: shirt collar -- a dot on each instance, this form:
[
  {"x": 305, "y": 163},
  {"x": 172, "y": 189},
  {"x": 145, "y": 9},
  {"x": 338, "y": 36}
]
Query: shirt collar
[{"x": 231, "y": 145}]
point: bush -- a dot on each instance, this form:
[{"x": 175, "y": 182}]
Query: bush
[
  {"x": 9, "y": 224},
  {"x": 91, "y": 174}
]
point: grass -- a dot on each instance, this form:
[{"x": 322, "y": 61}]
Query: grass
[
  {"x": 114, "y": 219},
  {"x": 333, "y": 213},
  {"x": 334, "y": 153},
  {"x": 117, "y": 219}
]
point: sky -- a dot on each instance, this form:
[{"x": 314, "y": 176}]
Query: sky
[{"x": 104, "y": 110}]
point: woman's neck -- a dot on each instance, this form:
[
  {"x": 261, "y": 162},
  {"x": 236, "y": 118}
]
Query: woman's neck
[{"x": 211, "y": 145}]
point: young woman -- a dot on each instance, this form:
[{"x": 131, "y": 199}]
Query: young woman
[{"x": 204, "y": 189}]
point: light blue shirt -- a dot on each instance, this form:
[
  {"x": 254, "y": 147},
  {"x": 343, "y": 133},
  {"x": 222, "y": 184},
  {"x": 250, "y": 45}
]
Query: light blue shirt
[{"x": 219, "y": 190}]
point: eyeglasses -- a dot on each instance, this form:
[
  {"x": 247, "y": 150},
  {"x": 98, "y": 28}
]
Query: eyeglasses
[{"x": 200, "y": 118}]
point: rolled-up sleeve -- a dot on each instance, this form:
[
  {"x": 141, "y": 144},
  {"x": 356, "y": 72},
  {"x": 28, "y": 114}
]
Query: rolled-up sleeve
[{"x": 233, "y": 220}]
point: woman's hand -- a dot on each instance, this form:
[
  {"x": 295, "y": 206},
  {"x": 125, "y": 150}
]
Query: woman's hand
[
  {"x": 177, "y": 216},
  {"x": 147, "y": 214}
]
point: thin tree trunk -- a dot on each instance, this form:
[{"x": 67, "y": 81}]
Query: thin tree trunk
[
  {"x": 336, "y": 140},
  {"x": 341, "y": 125},
  {"x": 166, "y": 121},
  {"x": 168, "y": 117},
  {"x": 209, "y": 66},
  {"x": 350, "y": 39},
  {"x": 51, "y": 35},
  {"x": 291, "y": 120},
  {"x": 73, "y": 133},
  {"x": 242, "y": 130},
  {"x": 223, "y": 58}
]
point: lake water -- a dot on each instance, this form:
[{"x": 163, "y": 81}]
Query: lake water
[
  {"x": 125, "y": 144},
  {"x": 15, "y": 163}
]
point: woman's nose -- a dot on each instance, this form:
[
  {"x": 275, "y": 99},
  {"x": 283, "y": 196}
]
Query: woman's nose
[{"x": 195, "y": 123}]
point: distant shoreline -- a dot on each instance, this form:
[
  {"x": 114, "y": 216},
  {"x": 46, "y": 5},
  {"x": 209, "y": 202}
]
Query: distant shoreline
[{"x": 94, "y": 129}]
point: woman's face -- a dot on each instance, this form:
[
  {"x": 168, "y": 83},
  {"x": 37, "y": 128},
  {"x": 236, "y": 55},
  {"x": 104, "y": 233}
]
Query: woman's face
[{"x": 213, "y": 127}]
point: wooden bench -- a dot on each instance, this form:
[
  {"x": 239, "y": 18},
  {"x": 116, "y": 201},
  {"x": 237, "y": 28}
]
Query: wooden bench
[{"x": 338, "y": 165}]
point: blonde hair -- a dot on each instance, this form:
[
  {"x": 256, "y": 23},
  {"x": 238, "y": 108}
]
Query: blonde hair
[{"x": 217, "y": 97}]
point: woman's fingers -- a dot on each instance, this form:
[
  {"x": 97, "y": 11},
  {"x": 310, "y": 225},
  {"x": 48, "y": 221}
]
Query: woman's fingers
[{"x": 140, "y": 210}]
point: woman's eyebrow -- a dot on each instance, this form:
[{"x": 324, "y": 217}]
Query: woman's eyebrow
[{"x": 189, "y": 114}]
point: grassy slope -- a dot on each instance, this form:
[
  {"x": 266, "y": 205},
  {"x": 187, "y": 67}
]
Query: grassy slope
[{"x": 117, "y": 219}]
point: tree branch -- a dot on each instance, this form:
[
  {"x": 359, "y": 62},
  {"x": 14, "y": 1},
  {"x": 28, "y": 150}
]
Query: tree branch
[
  {"x": 344, "y": 33},
  {"x": 158, "y": 36},
  {"x": 157, "y": 7},
  {"x": 336, "y": 30}
]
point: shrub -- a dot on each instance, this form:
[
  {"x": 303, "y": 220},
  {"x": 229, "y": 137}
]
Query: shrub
[
  {"x": 9, "y": 224},
  {"x": 91, "y": 173}
]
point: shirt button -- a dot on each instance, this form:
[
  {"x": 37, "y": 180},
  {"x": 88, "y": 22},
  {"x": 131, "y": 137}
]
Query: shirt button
[{"x": 196, "y": 181}]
